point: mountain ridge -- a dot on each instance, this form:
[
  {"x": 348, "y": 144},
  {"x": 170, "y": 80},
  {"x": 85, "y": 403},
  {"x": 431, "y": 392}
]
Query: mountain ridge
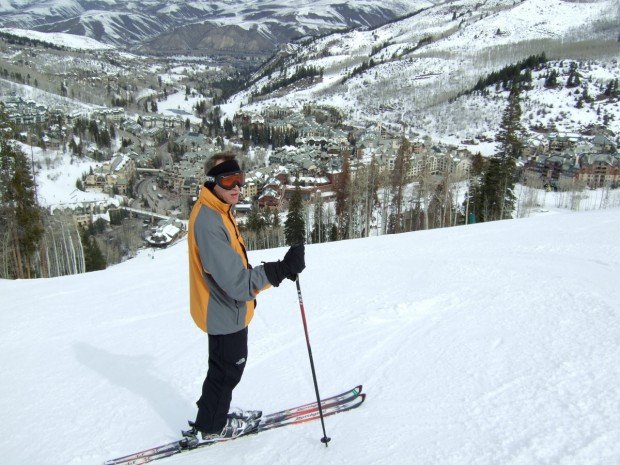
[{"x": 134, "y": 24}]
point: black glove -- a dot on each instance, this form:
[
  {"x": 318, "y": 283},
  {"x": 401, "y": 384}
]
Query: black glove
[{"x": 291, "y": 265}]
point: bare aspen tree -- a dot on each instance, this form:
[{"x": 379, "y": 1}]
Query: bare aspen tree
[
  {"x": 371, "y": 199},
  {"x": 385, "y": 201},
  {"x": 398, "y": 185},
  {"x": 56, "y": 260},
  {"x": 68, "y": 248},
  {"x": 426, "y": 187}
]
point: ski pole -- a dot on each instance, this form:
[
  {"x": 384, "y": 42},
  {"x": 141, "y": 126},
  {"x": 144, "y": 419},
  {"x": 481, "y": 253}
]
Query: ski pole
[{"x": 324, "y": 439}]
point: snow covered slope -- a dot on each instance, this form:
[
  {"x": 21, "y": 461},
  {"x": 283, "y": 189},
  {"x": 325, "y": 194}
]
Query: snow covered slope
[
  {"x": 60, "y": 39},
  {"x": 56, "y": 175},
  {"x": 485, "y": 344},
  {"x": 422, "y": 63}
]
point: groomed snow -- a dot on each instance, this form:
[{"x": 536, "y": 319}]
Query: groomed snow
[{"x": 494, "y": 343}]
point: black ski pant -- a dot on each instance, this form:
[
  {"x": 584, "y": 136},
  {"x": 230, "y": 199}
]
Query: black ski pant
[{"x": 227, "y": 357}]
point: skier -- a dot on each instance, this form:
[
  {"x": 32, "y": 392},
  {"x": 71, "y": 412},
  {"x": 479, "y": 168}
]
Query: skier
[{"x": 223, "y": 287}]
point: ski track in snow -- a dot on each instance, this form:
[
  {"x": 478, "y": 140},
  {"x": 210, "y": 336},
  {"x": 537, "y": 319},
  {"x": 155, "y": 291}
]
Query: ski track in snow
[{"x": 489, "y": 344}]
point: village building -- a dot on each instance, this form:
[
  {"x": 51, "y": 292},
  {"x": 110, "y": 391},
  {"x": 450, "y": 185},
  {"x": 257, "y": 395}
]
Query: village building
[
  {"x": 112, "y": 177},
  {"x": 270, "y": 198},
  {"x": 21, "y": 111},
  {"x": 249, "y": 190},
  {"x": 603, "y": 144},
  {"x": 558, "y": 142},
  {"x": 166, "y": 233},
  {"x": 110, "y": 115},
  {"x": 193, "y": 141},
  {"x": 600, "y": 170}
]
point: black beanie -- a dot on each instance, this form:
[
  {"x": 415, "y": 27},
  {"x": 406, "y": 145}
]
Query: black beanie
[{"x": 228, "y": 166}]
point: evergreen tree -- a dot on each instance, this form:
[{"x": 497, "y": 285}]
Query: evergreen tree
[
  {"x": 245, "y": 131},
  {"x": 104, "y": 138},
  {"x": 527, "y": 78},
  {"x": 333, "y": 232},
  {"x": 612, "y": 88},
  {"x": 20, "y": 216},
  {"x": 478, "y": 167},
  {"x": 574, "y": 78},
  {"x": 295, "y": 226},
  {"x": 496, "y": 197},
  {"x": 93, "y": 129},
  {"x": 254, "y": 222},
  {"x": 319, "y": 230},
  {"x": 93, "y": 258},
  {"x": 100, "y": 225},
  {"x": 343, "y": 188},
  {"x": 228, "y": 128},
  {"x": 552, "y": 79},
  {"x": 492, "y": 198},
  {"x": 275, "y": 221},
  {"x": 511, "y": 132},
  {"x": 512, "y": 74}
]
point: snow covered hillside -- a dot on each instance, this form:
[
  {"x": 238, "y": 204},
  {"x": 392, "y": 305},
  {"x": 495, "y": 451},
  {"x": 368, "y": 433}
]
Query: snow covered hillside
[
  {"x": 9, "y": 88},
  {"x": 494, "y": 343},
  {"x": 56, "y": 176},
  {"x": 421, "y": 63},
  {"x": 60, "y": 39}
]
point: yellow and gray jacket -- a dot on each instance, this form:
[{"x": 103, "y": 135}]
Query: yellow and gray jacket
[{"x": 222, "y": 285}]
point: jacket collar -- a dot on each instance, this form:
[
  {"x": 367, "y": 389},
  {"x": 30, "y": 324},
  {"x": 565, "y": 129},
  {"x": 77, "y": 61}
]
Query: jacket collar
[{"x": 209, "y": 199}]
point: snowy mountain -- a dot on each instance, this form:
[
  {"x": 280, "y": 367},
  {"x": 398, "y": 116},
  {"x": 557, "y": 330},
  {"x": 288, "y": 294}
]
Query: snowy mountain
[
  {"x": 410, "y": 75},
  {"x": 123, "y": 22},
  {"x": 422, "y": 63},
  {"x": 484, "y": 344}
]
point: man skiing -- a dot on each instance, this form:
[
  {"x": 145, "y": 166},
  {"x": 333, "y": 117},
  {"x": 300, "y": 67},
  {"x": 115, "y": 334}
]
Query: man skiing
[{"x": 223, "y": 287}]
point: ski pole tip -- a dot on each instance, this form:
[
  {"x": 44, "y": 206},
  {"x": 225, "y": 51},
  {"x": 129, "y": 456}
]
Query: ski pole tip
[{"x": 325, "y": 440}]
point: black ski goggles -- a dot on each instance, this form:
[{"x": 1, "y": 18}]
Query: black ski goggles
[{"x": 228, "y": 181}]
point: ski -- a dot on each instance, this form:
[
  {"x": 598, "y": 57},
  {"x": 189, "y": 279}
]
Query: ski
[
  {"x": 312, "y": 406},
  {"x": 300, "y": 414},
  {"x": 314, "y": 414},
  {"x": 342, "y": 407}
]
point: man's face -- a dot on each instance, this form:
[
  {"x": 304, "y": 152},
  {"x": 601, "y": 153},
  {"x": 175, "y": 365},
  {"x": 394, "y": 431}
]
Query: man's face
[{"x": 230, "y": 197}]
